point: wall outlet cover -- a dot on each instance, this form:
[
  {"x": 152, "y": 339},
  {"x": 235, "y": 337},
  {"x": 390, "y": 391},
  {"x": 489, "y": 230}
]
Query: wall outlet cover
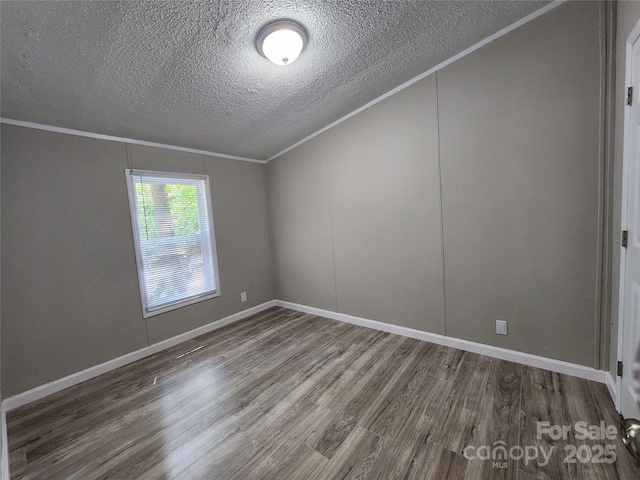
[{"x": 501, "y": 327}]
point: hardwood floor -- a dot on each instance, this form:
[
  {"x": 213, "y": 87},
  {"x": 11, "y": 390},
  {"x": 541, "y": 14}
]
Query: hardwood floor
[{"x": 285, "y": 395}]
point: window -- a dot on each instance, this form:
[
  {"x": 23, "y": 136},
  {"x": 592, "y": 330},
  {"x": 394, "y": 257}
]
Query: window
[{"x": 174, "y": 239}]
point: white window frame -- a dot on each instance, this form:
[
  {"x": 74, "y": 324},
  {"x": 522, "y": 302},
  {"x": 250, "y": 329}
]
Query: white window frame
[{"x": 208, "y": 242}]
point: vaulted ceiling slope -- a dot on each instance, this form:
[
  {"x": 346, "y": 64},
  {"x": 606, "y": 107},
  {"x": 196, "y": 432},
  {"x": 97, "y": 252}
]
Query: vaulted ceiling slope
[{"x": 186, "y": 73}]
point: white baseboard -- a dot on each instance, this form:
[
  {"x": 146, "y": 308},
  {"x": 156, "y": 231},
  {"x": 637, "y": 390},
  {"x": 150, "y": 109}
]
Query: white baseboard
[
  {"x": 83, "y": 375},
  {"x": 611, "y": 386},
  {"x": 553, "y": 365},
  {"x": 4, "y": 459},
  {"x": 545, "y": 363}
]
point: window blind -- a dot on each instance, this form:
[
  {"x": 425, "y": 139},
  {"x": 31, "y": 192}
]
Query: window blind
[{"x": 174, "y": 238}]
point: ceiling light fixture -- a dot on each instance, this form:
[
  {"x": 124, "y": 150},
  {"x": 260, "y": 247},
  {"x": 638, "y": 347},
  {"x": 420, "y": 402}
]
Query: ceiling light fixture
[{"x": 281, "y": 41}]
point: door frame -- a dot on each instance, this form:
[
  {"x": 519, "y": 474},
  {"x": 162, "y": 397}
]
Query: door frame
[{"x": 632, "y": 39}]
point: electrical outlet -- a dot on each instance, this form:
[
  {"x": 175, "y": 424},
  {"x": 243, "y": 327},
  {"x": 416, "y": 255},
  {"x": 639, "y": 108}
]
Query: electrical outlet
[
  {"x": 243, "y": 297},
  {"x": 501, "y": 327}
]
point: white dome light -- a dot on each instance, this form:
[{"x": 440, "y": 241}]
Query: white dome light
[{"x": 282, "y": 41}]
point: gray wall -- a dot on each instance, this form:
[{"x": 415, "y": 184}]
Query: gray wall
[
  {"x": 70, "y": 296},
  {"x": 519, "y": 149},
  {"x": 628, "y": 15},
  {"x": 514, "y": 128},
  {"x": 356, "y": 215}
]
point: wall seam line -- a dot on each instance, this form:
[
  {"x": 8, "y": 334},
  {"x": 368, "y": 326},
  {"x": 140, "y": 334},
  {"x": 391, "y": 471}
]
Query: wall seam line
[
  {"x": 441, "y": 215},
  {"x": 265, "y": 176},
  {"x": 333, "y": 237}
]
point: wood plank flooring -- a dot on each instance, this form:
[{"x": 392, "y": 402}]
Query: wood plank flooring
[{"x": 285, "y": 395}]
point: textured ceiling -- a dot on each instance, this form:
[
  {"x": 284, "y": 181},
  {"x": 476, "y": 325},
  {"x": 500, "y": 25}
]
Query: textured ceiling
[{"x": 186, "y": 73}]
